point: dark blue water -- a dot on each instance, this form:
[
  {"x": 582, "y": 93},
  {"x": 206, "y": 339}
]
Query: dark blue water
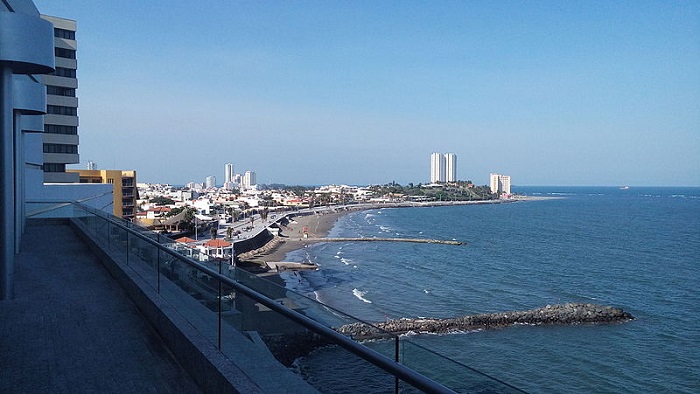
[{"x": 638, "y": 249}]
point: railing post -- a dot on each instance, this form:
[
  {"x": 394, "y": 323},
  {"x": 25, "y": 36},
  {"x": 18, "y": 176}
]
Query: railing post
[
  {"x": 396, "y": 358},
  {"x": 220, "y": 306},
  {"x": 158, "y": 265}
]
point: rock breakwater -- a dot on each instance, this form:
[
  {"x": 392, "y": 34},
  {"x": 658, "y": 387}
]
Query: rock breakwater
[
  {"x": 379, "y": 239},
  {"x": 571, "y": 313}
]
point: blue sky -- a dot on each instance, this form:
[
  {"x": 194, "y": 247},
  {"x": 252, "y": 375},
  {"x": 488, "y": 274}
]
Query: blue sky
[{"x": 362, "y": 92}]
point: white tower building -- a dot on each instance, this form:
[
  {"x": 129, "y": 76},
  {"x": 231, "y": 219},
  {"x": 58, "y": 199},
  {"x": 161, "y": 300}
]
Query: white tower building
[
  {"x": 450, "y": 167},
  {"x": 210, "y": 181},
  {"x": 228, "y": 172},
  {"x": 228, "y": 176},
  {"x": 249, "y": 180},
  {"x": 500, "y": 184},
  {"x": 437, "y": 167}
]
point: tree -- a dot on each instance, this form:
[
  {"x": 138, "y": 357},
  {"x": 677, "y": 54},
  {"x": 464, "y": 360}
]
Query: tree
[
  {"x": 212, "y": 231},
  {"x": 160, "y": 200},
  {"x": 174, "y": 211}
]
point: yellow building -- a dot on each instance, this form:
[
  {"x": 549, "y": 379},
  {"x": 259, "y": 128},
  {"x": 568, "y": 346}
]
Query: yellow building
[{"x": 124, "y": 188}]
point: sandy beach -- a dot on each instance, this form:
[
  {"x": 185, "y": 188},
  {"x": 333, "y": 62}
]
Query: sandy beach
[{"x": 318, "y": 225}]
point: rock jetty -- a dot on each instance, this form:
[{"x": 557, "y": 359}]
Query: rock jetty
[
  {"x": 379, "y": 239},
  {"x": 570, "y": 313}
]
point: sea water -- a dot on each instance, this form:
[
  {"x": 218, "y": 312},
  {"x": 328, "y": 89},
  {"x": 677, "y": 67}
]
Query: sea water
[{"x": 637, "y": 249}]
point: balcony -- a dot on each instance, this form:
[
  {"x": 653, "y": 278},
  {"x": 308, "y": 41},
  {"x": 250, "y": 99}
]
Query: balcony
[{"x": 230, "y": 329}]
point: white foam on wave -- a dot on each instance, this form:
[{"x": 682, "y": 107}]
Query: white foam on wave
[
  {"x": 360, "y": 295},
  {"x": 345, "y": 261}
]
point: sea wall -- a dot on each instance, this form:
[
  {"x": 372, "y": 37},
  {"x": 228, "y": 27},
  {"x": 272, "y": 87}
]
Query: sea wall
[
  {"x": 253, "y": 243},
  {"x": 570, "y": 313}
]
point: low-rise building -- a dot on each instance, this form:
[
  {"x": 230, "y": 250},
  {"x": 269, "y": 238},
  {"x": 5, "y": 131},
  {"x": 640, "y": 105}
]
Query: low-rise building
[{"x": 123, "y": 185}]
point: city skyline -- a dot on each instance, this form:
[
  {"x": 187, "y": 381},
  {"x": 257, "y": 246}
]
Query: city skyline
[{"x": 572, "y": 94}]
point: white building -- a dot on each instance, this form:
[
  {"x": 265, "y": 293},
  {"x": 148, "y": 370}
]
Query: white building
[
  {"x": 210, "y": 181},
  {"x": 450, "y": 167},
  {"x": 229, "y": 176},
  {"x": 249, "y": 180},
  {"x": 228, "y": 172},
  {"x": 437, "y": 168},
  {"x": 500, "y": 184},
  {"x": 443, "y": 168}
]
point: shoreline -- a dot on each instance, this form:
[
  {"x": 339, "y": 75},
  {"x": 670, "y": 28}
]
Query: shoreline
[
  {"x": 319, "y": 226},
  {"x": 321, "y": 223}
]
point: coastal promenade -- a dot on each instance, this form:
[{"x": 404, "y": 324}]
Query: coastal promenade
[{"x": 71, "y": 328}]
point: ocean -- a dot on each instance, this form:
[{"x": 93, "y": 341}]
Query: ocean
[{"x": 636, "y": 249}]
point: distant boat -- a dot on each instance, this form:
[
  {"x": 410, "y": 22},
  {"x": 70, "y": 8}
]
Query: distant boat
[{"x": 624, "y": 187}]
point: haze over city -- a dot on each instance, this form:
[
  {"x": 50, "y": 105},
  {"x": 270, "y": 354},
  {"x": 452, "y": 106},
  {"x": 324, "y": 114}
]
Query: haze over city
[{"x": 551, "y": 93}]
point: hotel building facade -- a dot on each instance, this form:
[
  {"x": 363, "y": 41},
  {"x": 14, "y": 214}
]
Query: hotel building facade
[{"x": 60, "y": 137}]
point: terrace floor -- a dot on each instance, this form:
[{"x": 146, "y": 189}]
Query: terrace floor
[{"x": 72, "y": 328}]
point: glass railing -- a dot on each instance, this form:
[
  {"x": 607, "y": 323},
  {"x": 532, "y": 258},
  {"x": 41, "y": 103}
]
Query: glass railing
[{"x": 230, "y": 306}]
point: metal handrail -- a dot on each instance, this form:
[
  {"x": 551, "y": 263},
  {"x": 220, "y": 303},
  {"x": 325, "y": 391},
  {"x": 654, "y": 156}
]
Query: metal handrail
[
  {"x": 394, "y": 368},
  {"x": 60, "y": 204}
]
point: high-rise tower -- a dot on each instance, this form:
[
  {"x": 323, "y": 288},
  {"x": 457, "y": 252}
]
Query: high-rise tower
[
  {"x": 437, "y": 167},
  {"x": 500, "y": 184},
  {"x": 228, "y": 173},
  {"x": 450, "y": 167},
  {"x": 60, "y": 138}
]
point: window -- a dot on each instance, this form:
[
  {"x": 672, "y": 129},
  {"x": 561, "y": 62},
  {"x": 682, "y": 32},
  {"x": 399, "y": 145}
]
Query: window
[
  {"x": 65, "y": 53},
  {"x": 60, "y": 148},
  {"x": 54, "y": 167},
  {"x": 60, "y": 91},
  {"x": 58, "y": 129},
  {"x": 61, "y": 110},
  {"x": 64, "y": 72},
  {"x": 63, "y": 33}
]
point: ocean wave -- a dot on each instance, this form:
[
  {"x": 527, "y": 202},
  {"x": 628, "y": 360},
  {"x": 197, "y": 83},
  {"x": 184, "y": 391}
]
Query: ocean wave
[
  {"x": 346, "y": 261},
  {"x": 438, "y": 334},
  {"x": 360, "y": 295}
]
